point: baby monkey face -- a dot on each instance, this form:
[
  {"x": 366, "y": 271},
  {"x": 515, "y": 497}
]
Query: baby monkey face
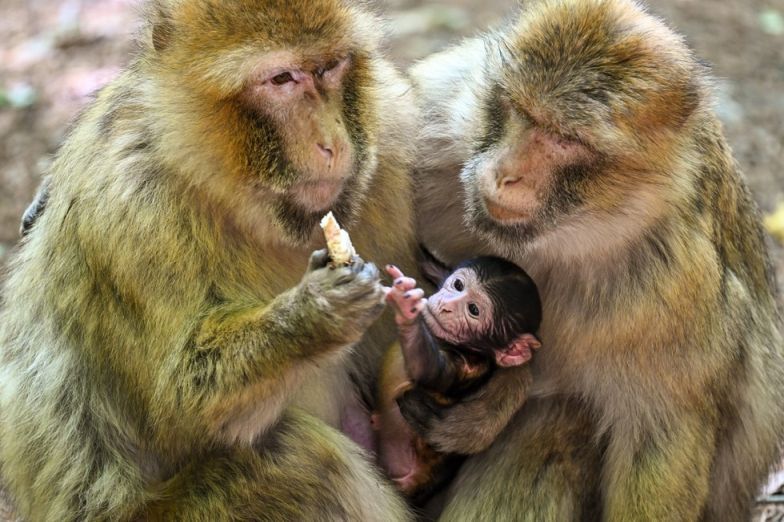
[{"x": 461, "y": 311}]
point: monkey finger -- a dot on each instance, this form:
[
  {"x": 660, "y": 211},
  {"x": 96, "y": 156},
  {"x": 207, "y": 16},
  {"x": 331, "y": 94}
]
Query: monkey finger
[
  {"x": 318, "y": 259},
  {"x": 394, "y": 272},
  {"x": 414, "y": 296},
  {"x": 405, "y": 283},
  {"x": 397, "y": 296},
  {"x": 413, "y": 311},
  {"x": 371, "y": 271},
  {"x": 357, "y": 264},
  {"x": 343, "y": 276},
  {"x": 392, "y": 296}
]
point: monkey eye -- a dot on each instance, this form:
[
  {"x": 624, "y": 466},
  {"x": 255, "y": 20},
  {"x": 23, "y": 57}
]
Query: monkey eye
[
  {"x": 284, "y": 77},
  {"x": 473, "y": 309},
  {"x": 328, "y": 67},
  {"x": 459, "y": 285}
]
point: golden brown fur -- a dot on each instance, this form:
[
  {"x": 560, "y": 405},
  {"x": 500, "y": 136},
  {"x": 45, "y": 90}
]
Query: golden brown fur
[
  {"x": 155, "y": 334},
  {"x": 656, "y": 399}
]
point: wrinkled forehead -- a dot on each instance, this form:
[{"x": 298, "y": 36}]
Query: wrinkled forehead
[
  {"x": 468, "y": 276},
  {"x": 473, "y": 285},
  {"x": 601, "y": 59},
  {"x": 277, "y": 24}
]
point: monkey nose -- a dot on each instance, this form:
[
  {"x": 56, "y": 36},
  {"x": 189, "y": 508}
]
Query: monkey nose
[{"x": 325, "y": 151}]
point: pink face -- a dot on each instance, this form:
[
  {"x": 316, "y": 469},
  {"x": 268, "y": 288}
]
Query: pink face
[
  {"x": 460, "y": 311},
  {"x": 306, "y": 103},
  {"x": 516, "y": 177}
]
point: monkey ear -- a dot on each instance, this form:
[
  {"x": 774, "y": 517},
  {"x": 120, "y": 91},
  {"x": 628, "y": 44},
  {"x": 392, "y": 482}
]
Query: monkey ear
[
  {"x": 518, "y": 352},
  {"x": 431, "y": 267},
  {"x": 162, "y": 26}
]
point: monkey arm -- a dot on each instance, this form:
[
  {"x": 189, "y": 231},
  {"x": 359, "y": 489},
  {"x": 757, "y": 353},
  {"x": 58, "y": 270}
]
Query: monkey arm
[
  {"x": 427, "y": 364},
  {"x": 244, "y": 355},
  {"x": 471, "y": 425}
]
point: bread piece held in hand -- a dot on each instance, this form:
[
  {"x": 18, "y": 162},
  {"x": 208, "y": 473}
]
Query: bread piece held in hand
[{"x": 341, "y": 251}]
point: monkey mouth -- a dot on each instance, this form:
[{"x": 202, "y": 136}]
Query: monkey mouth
[
  {"x": 318, "y": 195},
  {"x": 503, "y": 214},
  {"x": 435, "y": 326}
]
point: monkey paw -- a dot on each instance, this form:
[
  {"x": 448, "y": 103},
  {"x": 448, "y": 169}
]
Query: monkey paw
[
  {"x": 404, "y": 296},
  {"x": 420, "y": 409}
]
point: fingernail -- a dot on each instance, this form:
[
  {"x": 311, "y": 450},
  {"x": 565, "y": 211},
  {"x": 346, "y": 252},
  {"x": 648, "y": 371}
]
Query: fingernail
[
  {"x": 407, "y": 295},
  {"x": 399, "y": 281}
]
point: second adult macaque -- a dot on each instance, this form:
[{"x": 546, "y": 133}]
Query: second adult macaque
[
  {"x": 580, "y": 142},
  {"x": 483, "y": 317},
  {"x": 167, "y": 351}
]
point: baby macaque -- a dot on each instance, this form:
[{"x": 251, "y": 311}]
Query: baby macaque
[{"x": 484, "y": 316}]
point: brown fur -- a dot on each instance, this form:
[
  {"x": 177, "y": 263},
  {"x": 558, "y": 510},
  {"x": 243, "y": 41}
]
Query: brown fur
[
  {"x": 154, "y": 330},
  {"x": 664, "y": 342}
]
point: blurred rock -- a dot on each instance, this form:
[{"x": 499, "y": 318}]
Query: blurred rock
[
  {"x": 772, "y": 22},
  {"x": 428, "y": 18},
  {"x": 29, "y": 52},
  {"x": 21, "y": 96},
  {"x": 82, "y": 83},
  {"x": 729, "y": 110}
]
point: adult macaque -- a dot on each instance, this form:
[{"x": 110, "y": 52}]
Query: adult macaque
[
  {"x": 156, "y": 326},
  {"x": 484, "y": 317},
  {"x": 580, "y": 143}
]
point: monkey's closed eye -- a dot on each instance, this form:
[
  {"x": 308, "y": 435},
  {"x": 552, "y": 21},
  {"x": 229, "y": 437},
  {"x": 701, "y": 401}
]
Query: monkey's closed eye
[
  {"x": 328, "y": 67},
  {"x": 459, "y": 286},
  {"x": 284, "y": 77},
  {"x": 473, "y": 309}
]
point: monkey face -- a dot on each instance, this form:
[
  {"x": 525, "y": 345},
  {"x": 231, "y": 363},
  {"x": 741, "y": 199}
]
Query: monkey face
[
  {"x": 527, "y": 179},
  {"x": 461, "y": 311},
  {"x": 300, "y": 108},
  {"x": 578, "y": 120},
  {"x": 284, "y": 97},
  {"x": 306, "y": 146}
]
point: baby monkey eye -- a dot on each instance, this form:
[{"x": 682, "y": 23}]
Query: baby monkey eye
[
  {"x": 459, "y": 285},
  {"x": 284, "y": 77},
  {"x": 473, "y": 309}
]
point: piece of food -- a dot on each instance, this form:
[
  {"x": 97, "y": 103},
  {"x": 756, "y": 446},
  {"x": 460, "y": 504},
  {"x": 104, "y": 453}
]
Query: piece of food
[{"x": 341, "y": 251}]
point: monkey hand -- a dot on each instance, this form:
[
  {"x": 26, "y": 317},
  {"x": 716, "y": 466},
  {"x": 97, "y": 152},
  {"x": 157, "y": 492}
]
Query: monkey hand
[
  {"x": 347, "y": 300},
  {"x": 407, "y": 300},
  {"x": 471, "y": 425}
]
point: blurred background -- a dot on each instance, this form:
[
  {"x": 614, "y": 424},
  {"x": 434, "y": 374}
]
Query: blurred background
[{"x": 55, "y": 53}]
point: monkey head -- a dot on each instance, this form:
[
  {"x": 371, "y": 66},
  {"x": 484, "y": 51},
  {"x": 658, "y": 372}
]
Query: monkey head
[
  {"x": 577, "y": 118},
  {"x": 489, "y": 305},
  {"x": 280, "y": 94}
]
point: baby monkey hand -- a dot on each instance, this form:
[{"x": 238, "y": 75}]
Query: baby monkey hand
[{"x": 404, "y": 296}]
